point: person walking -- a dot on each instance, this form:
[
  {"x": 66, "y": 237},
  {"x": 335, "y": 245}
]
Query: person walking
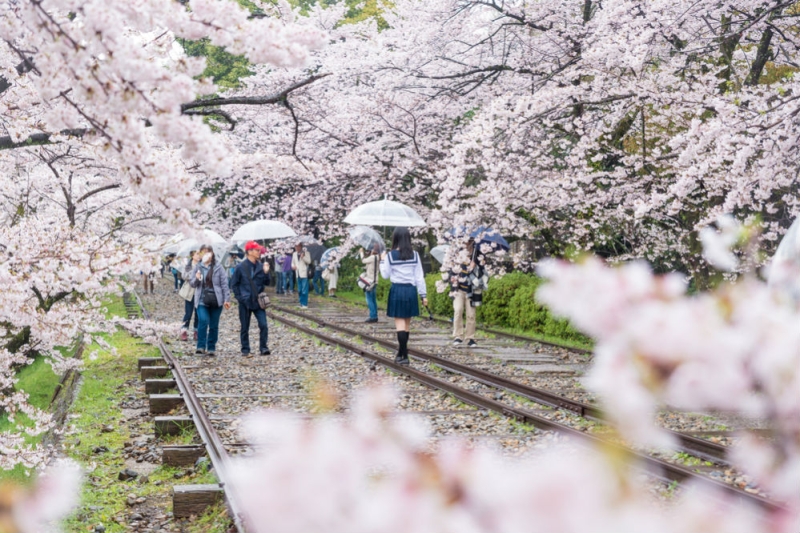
[
  {"x": 300, "y": 261},
  {"x": 402, "y": 266},
  {"x": 175, "y": 269},
  {"x": 464, "y": 280},
  {"x": 371, "y": 261},
  {"x": 317, "y": 282},
  {"x": 248, "y": 280},
  {"x": 288, "y": 274},
  {"x": 331, "y": 276},
  {"x": 278, "y": 261},
  {"x": 187, "y": 293},
  {"x": 211, "y": 296}
]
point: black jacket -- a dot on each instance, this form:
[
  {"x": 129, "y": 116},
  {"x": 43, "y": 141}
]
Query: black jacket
[{"x": 241, "y": 286}]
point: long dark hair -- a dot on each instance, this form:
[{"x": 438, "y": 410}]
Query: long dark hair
[
  {"x": 209, "y": 281},
  {"x": 401, "y": 241}
]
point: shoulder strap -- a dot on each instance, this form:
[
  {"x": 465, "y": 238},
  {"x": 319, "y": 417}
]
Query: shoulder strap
[{"x": 375, "y": 271}]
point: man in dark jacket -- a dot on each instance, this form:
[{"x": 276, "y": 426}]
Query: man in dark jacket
[{"x": 248, "y": 280}]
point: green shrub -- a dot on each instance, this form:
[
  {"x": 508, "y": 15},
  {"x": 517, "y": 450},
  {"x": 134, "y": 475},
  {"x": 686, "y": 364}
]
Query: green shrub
[
  {"x": 530, "y": 315},
  {"x": 494, "y": 311},
  {"x": 440, "y": 303}
]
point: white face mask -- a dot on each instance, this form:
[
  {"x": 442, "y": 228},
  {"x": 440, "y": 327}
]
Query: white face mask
[{"x": 207, "y": 258}]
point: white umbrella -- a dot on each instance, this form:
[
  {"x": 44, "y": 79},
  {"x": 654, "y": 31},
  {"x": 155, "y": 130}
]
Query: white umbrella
[
  {"x": 263, "y": 229},
  {"x": 185, "y": 247},
  {"x": 439, "y": 252},
  {"x": 784, "y": 271},
  {"x": 384, "y": 213}
]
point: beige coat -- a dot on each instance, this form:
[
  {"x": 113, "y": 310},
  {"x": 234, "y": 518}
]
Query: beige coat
[
  {"x": 300, "y": 265},
  {"x": 371, "y": 262}
]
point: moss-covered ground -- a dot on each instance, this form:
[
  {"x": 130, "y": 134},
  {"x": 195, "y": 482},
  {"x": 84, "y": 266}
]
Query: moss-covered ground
[{"x": 100, "y": 419}]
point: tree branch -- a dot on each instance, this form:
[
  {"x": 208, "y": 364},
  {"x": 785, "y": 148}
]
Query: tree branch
[{"x": 276, "y": 98}]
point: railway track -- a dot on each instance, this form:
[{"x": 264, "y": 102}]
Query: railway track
[
  {"x": 667, "y": 471},
  {"x": 205, "y": 386}
]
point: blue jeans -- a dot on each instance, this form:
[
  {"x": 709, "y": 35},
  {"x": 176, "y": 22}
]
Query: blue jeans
[
  {"x": 302, "y": 291},
  {"x": 288, "y": 281},
  {"x": 208, "y": 327},
  {"x": 178, "y": 280},
  {"x": 318, "y": 282},
  {"x": 188, "y": 311},
  {"x": 372, "y": 302},
  {"x": 244, "y": 332},
  {"x": 279, "y": 282}
]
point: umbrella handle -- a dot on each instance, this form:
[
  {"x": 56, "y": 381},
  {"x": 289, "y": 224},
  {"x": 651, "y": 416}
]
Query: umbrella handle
[{"x": 430, "y": 315}]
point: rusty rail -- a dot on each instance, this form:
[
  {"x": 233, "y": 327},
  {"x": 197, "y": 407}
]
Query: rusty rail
[
  {"x": 214, "y": 447},
  {"x": 701, "y": 448},
  {"x": 661, "y": 469}
]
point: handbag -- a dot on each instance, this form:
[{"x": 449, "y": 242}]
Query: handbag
[
  {"x": 186, "y": 292},
  {"x": 263, "y": 298}
]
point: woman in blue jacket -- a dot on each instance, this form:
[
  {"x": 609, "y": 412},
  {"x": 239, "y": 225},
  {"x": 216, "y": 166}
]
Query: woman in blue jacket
[{"x": 212, "y": 294}]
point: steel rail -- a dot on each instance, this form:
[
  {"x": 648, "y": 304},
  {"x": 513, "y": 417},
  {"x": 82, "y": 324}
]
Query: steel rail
[
  {"x": 662, "y": 470},
  {"x": 214, "y": 446},
  {"x": 506, "y": 334},
  {"x": 701, "y": 448}
]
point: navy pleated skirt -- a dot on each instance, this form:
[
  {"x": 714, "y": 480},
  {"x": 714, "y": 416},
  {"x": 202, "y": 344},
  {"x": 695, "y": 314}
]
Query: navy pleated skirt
[{"x": 403, "y": 301}]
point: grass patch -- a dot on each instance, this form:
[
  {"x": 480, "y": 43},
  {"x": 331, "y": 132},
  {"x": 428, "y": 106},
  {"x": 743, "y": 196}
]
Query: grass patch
[
  {"x": 98, "y": 405},
  {"x": 40, "y": 382},
  {"x": 214, "y": 520}
]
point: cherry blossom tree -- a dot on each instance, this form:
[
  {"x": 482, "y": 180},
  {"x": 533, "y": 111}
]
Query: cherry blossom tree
[{"x": 102, "y": 115}]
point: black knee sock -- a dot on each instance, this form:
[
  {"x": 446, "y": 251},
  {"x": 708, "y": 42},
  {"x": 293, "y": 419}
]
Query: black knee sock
[{"x": 402, "y": 339}]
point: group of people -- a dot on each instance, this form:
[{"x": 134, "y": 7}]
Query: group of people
[{"x": 206, "y": 289}]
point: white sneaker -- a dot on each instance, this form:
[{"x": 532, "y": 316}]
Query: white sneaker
[{"x": 303, "y": 307}]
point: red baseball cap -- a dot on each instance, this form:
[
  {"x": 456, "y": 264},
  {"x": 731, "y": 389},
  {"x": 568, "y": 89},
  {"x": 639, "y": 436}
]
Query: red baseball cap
[{"x": 252, "y": 245}]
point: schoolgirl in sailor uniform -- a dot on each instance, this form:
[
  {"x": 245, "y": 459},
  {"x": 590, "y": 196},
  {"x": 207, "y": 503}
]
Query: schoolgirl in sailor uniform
[{"x": 402, "y": 266}]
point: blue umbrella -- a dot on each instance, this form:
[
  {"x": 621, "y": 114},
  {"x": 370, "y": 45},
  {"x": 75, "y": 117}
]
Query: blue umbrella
[
  {"x": 487, "y": 236},
  {"x": 327, "y": 256}
]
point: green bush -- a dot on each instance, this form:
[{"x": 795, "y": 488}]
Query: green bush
[
  {"x": 494, "y": 308},
  {"x": 509, "y": 303},
  {"x": 530, "y": 315},
  {"x": 440, "y": 303}
]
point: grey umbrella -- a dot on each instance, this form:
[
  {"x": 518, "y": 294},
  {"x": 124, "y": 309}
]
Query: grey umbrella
[{"x": 316, "y": 251}]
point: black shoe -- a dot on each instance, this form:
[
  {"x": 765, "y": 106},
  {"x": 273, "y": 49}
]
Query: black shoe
[
  {"x": 457, "y": 342},
  {"x": 199, "y": 351},
  {"x": 371, "y": 320},
  {"x": 246, "y": 354},
  {"x": 266, "y": 352},
  {"x": 211, "y": 353},
  {"x": 472, "y": 343}
]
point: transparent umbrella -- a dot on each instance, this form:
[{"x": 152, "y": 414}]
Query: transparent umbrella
[
  {"x": 367, "y": 238},
  {"x": 262, "y": 230},
  {"x": 385, "y": 213},
  {"x": 185, "y": 247}
]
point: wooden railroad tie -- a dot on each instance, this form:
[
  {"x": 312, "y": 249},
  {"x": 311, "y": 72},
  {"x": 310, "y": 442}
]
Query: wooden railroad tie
[
  {"x": 164, "y": 403},
  {"x": 188, "y": 500},
  {"x": 149, "y": 372},
  {"x": 172, "y": 425},
  {"x": 182, "y": 455},
  {"x": 150, "y": 361},
  {"x": 159, "y": 386}
]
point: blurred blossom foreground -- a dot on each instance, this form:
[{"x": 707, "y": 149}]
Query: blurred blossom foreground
[
  {"x": 38, "y": 510},
  {"x": 369, "y": 473}
]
